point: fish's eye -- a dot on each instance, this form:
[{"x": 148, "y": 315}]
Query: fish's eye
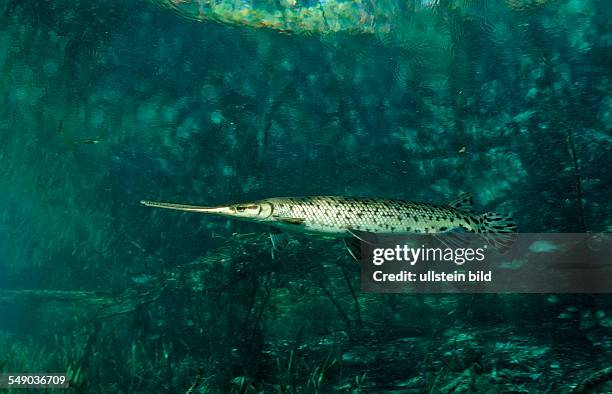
[{"x": 242, "y": 208}]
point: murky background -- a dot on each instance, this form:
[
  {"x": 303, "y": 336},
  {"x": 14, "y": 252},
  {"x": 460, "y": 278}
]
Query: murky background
[{"x": 104, "y": 104}]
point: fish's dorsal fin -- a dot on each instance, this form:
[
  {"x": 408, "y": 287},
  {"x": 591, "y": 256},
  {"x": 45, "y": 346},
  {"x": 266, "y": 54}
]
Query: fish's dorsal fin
[{"x": 463, "y": 203}]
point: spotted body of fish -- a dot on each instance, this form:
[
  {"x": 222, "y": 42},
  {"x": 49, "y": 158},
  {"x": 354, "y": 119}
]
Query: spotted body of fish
[{"x": 352, "y": 217}]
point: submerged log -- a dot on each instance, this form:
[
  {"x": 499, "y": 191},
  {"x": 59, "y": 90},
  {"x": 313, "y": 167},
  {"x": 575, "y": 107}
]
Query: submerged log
[
  {"x": 37, "y": 296},
  {"x": 242, "y": 256}
]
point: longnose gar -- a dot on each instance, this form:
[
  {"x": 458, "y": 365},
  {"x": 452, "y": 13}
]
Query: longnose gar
[
  {"x": 353, "y": 217},
  {"x": 382, "y": 17}
]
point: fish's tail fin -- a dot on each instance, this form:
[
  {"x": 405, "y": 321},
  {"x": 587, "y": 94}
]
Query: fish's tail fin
[{"x": 498, "y": 230}]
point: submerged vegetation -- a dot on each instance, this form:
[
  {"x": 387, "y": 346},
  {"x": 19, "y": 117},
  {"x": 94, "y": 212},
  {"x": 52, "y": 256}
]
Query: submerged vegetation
[
  {"x": 238, "y": 321},
  {"x": 108, "y": 103}
]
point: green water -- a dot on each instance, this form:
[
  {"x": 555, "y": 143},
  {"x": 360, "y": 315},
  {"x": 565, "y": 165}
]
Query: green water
[{"x": 104, "y": 104}]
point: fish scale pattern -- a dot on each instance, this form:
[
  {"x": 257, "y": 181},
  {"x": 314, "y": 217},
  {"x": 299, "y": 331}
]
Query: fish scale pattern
[{"x": 332, "y": 214}]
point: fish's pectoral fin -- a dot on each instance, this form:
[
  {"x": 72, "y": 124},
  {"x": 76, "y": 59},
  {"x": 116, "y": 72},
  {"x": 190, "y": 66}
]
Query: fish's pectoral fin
[
  {"x": 279, "y": 239},
  {"x": 455, "y": 238},
  {"x": 464, "y": 203},
  {"x": 354, "y": 247},
  {"x": 289, "y": 220}
]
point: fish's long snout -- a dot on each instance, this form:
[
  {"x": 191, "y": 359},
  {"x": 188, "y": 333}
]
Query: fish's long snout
[{"x": 223, "y": 210}]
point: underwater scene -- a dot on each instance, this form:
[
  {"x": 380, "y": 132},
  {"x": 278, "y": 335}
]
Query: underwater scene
[{"x": 189, "y": 189}]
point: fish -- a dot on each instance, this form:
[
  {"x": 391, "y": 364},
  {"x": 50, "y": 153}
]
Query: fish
[
  {"x": 291, "y": 16},
  {"x": 355, "y": 218},
  {"x": 87, "y": 141},
  {"x": 311, "y": 16}
]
